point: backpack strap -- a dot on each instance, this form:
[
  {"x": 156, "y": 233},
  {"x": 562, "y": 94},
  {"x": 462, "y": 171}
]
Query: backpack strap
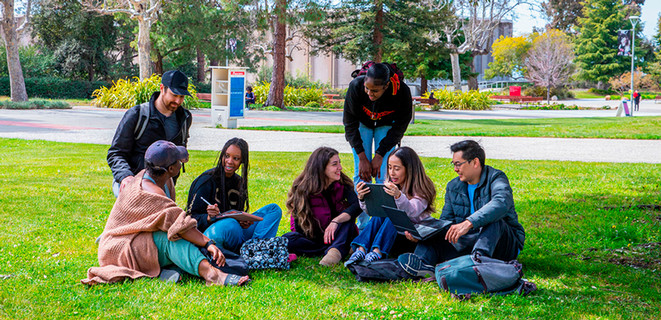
[{"x": 143, "y": 120}]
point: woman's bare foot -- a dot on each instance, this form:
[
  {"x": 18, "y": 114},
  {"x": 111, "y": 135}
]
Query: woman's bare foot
[{"x": 215, "y": 277}]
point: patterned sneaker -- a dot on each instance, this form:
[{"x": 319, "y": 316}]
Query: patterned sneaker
[
  {"x": 355, "y": 257},
  {"x": 414, "y": 266},
  {"x": 373, "y": 256}
]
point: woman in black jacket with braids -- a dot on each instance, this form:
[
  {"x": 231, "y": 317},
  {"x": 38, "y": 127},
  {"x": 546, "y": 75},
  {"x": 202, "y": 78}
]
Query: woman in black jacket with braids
[{"x": 377, "y": 110}]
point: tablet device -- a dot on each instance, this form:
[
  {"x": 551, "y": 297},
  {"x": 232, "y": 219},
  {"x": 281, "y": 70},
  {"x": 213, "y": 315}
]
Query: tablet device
[
  {"x": 422, "y": 231},
  {"x": 377, "y": 198}
]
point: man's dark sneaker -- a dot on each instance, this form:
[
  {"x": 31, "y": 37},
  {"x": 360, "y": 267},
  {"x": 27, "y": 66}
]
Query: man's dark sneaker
[{"x": 414, "y": 266}]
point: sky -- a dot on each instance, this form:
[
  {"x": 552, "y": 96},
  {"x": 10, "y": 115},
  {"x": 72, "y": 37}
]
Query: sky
[{"x": 527, "y": 19}]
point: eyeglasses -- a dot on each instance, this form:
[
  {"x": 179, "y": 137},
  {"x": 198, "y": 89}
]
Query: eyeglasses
[{"x": 458, "y": 164}]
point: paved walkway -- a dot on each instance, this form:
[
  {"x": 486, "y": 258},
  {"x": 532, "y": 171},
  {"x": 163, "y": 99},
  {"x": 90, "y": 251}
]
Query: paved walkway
[{"x": 93, "y": 125}]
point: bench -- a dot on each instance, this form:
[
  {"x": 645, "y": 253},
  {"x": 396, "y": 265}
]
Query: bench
[
  {"x": 517, "y": 98},
  {"x": 204, "y": 96},
  {"x": 657, "y": 99},
  {"x": 429, "y": 101}
]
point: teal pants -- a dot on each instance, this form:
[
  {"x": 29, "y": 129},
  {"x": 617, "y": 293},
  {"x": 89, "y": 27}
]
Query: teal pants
[{"x": 181, "y": 253}]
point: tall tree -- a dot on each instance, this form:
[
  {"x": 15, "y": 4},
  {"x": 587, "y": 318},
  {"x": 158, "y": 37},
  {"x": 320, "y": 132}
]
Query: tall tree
[
  {"x": 283, "y": 19},
  {"x": 549, "y": 61},
  {"x": 596, "y": 43},
  {"x": 145, "y": 12},
  {"x": 563, "y": 14},
  {"x": 363, "y": 30},
  {"x": 12, "y": 29},
  {"x": 509, "y": 55},
  {"x": 226, "y": 28},
  {"x": 654, "y": 68},
  {"x": 474, "y": 24},
  {"x": 80, "y": 39}
]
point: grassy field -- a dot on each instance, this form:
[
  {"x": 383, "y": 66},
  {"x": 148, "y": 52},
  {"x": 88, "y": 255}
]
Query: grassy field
[
  {"x": 612, "y": 128},
  {"x": 591, "y": 247}
]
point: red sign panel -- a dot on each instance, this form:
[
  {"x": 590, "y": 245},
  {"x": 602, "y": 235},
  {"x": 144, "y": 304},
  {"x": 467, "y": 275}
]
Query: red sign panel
[
  {"x": 238, "y": 73},
  {"x": 515, "y": 91}
]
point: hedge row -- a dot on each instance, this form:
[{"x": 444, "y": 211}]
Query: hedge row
[{"x": 55, "y": 88}]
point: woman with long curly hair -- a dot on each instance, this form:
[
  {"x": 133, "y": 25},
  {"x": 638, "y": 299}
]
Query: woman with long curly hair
[
  {"x": 220, "y": 190},
  {"x": 323, "y": 208},
  {"x": 414, "y": 193}
]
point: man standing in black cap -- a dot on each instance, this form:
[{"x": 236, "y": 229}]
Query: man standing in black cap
[{"x": 159, "y": 119}]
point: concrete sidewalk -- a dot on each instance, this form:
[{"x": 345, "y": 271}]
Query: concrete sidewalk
[{"x": 93, "y": 125}]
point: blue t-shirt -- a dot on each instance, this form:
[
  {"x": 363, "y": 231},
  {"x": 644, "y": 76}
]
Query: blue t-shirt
[{"x": 471, "y": 195}]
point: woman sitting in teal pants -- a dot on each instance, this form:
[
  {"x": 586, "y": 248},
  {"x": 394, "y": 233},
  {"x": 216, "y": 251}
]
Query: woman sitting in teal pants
[
  {"x": 146, "y": 230},
  {"x": 219, "y": 190}
]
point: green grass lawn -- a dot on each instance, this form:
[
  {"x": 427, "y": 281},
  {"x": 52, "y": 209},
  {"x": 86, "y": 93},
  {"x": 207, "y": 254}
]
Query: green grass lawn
[
  {"x": 612, "y": 128},
  {"x": 590, "y": 249},
  {"x": 584, "y": 94}
]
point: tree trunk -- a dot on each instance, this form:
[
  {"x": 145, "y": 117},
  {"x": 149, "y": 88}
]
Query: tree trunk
[
  {"x": 456, "y": 71},
  {"x": 548, "y": 93},
  {"x": 472, "y": 78},
  {"x": 144, "y": 47},
  {"x": 377, "y": 37},
  {"x": 159, "y": 63},
  {"x": 423, "y": 85},
  {"x": 16, "y": 80},
  {"x": 200, "y": 65},
  {"x": 276, "y": 94}
]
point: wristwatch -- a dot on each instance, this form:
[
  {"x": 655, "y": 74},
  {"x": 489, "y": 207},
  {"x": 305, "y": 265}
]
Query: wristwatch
[{"x": 210, "y": 242}]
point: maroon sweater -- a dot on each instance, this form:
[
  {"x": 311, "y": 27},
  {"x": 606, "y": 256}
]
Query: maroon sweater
[{"x": 330, "y": 203}]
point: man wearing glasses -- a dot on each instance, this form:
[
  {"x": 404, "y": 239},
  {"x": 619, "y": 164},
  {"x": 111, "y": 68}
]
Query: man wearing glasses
[{"x": 479, "y": 202}]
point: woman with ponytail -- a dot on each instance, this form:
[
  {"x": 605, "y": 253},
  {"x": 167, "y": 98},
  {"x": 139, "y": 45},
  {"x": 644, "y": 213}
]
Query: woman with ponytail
[
  {"x": 323, "y": 209},
  {"x": 377, "y": 110}
]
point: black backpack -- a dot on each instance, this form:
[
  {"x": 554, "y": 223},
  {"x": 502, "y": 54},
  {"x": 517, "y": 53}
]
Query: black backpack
[{"x": 380, "y": 271}]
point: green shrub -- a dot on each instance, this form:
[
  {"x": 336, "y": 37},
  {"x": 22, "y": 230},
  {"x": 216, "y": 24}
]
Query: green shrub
[
  {"x": 313, "y": 104},
  {"x": 560, "y": 92},
  {"x": 471, "y": 100},
  {"x": 34, "y": 104},
  {"x": 601, "y": 91},
  {"x": 125, "y": 94},
  {"x": 203, "y": 87},
  {"x": 342, "y": 92},
  {"x": 55, "y": 88},
  {"x": 293, "y": 96}
]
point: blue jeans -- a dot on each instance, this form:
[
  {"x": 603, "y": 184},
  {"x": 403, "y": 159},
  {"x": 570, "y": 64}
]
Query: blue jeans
[
  {"x": 229, "y": 234},
  {"x": 181, "y": 253},
  {"x": 370, "y": 136},
  {"x": 379, "y": 233}
]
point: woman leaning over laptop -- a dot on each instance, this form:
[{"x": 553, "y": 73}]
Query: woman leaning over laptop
[{"x": 414, "y": 193}]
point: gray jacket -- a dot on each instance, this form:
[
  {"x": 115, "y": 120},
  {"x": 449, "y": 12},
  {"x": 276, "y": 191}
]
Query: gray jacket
[{"x": 492, "y": 201}]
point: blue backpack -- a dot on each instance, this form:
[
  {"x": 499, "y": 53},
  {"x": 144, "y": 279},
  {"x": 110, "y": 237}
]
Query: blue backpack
[{"x": 475, "y": 274}]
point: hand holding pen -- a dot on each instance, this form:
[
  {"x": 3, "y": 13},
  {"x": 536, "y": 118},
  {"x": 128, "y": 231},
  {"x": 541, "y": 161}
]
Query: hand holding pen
[{"x": 212, "y": 209}]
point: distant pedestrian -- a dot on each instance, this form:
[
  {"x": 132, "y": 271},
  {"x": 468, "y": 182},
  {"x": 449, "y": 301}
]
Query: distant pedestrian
[
  {"x": 250, "y": 96},
  {"x": 636, "y": 100},
  {"x": 165, "y": 121}
]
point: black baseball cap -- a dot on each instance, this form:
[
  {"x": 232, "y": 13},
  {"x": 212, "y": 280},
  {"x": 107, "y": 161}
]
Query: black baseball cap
[{"x": 176, "y": 81}]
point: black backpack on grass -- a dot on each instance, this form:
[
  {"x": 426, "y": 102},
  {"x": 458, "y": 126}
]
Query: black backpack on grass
[{"x": 380, "y": 271}]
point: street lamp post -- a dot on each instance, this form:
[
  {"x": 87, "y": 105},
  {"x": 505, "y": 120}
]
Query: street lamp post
[{"x": 634, "y": 21}]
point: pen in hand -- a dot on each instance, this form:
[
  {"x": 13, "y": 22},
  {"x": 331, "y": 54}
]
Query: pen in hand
[{"x": 205, "y": 201}]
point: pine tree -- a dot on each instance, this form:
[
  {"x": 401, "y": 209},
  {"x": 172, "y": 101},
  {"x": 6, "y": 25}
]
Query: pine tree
[{"x": 596, "y": 45}]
